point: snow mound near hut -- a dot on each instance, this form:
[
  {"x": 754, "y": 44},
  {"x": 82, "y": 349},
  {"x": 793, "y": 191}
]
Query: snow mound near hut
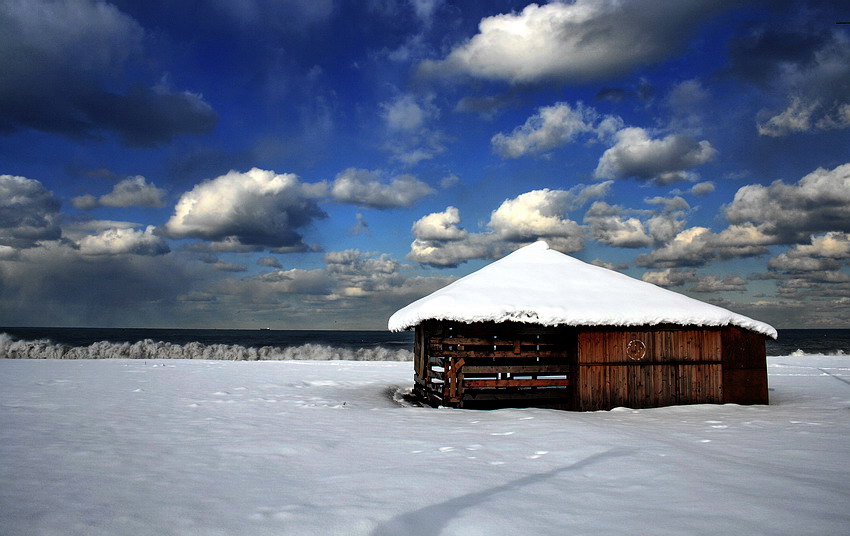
[{"x": 536, "y": 284}]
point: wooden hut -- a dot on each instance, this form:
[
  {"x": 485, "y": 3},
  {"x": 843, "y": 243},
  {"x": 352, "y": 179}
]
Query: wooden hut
[{"x": 540, "y": 328}]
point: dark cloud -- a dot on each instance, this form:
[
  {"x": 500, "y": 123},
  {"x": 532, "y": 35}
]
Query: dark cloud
[
  {"x": 759, "y": 57},
  {"x": 818, "y": 202},
  {"x": 662, "y": 161},
  {"x": 803, "y": 65},
  {"x": 57, "y": 285},
  {"x": 58, "y": 60},
  {"x": 28, "y": 212}
]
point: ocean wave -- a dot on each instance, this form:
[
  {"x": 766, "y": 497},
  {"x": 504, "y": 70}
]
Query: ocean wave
[
  {"x": 150, "y": 349},
  {"x": 799, "y": 352}
]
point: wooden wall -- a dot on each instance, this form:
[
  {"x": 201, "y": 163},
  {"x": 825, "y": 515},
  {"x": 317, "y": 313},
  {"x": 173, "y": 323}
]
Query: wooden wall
[
  {"x": 513, "y": 364},
  {"x": 649, "y": 367}
]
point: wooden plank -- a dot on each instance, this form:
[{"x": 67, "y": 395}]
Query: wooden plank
[
  {"x": 483, "y": 341},
  {"x": 515, "y": 369},
  {"x": 530, "y": 354},
  {"x": 548, "y": 382},
  {"x": 530, "y": 394}
]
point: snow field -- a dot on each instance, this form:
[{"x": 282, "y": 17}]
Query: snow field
[{"x": 179, "y": 447}]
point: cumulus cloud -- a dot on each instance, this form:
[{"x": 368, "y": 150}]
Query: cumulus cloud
[
  {"x": 671, "y": 277},
  {"x": 796, "y": 118},
  {"x": 610, "y": 265},
  {"x": 619, "y": 232},
  {"x": 616, "y": 226},
  {"x": 269, "y": 262},
  {"x": 117, "y": 241},
  {"x": 440, "y": 226},
  {"x": 57, "y": 60},
  {"x": 698, "y": 246},
  {"x": 132, "y": 191},
  {"x": 701, "y": 188},
  {"x": 816, "y": 263},
  {"x": 818, "y": 202},
  {"x": 28, "y": 212},
  {"x": 368, "y": 189},
  {"x": 553, "y": 126},
  {"x": 578, "y": 41},
  {"x": 538, "y": 214},
  {"x": 713, "y": 283},
  {"x": 663, "y": 161},
  {"x": 256, "y": 208}
]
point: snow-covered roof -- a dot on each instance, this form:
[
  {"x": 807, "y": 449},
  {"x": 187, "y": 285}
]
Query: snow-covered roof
[{"x": 539, "y": 285}]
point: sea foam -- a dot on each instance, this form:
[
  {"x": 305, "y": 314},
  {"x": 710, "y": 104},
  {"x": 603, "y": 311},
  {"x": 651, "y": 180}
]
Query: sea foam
[{"x": 150, "y": 349}]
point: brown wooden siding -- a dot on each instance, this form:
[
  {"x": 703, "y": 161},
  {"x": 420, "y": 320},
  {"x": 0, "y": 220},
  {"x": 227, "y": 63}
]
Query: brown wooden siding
[
  {"x": 512, "y": 364},
  {"x": 744, "y": 367},
  {"x": 648, "y": 367}
]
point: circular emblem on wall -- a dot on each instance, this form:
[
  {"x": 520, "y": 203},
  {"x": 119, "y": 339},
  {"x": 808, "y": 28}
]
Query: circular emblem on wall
[{"x": 636, "y": 350}]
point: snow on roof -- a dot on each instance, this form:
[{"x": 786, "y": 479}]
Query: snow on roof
[{"x": 538, "y": 285}]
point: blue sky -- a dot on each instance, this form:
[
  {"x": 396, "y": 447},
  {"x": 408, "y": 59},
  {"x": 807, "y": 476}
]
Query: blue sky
[{"x": 294, "y": 164}]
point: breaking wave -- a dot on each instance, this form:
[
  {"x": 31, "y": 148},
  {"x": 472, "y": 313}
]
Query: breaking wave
[{"x": 150, "y": 349}]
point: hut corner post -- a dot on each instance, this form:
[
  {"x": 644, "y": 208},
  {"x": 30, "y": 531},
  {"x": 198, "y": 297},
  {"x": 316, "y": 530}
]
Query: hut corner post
[{"x": 744, "y": 367}]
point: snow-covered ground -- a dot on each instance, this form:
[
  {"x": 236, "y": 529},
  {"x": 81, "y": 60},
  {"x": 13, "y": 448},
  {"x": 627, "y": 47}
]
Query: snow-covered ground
[{"x": 117, "y": 447}]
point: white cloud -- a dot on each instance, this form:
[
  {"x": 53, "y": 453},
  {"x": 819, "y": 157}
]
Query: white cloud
[
  {"x": 610, "y": 265},
  {"x": 728, "y": 283},
  {"x": 796, "y": 118},
  {"x": 404, "y": 113},
  {"x": 618, "y": 232},
  {"x": 28, "y": 212},
  {"x": 410, "y": 138},
  {"x": 269, "y": 262},
  {"x": 577, "y": 41},
  {"x": 616, "y": 226},
  {"x": 832, "y": 245},
  {"x": 449, "y": 181},
  {"x": 791, "y": 263},
  {"x": 553, "y": 126},
  {"x": 367, "y": 189},
  {"x": 118, "y": 241},
  {"x": 440, "y": 226},
  {"x": 255, "y": 208},
  {"x": 538, "y": 214},
  {"x": 698, "y": 246},
  {"x": 702, "y": 188},
  {"x": 448, "y": 254},
  {"x": 663, "y": 161},
  {"x": 132, "y": 191},
  {"x": 360, "y": 226},
  {"x": 671, "y": 277}
]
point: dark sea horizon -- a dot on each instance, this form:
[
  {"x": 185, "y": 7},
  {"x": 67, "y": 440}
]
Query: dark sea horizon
[{"x": 377, "y": 345}]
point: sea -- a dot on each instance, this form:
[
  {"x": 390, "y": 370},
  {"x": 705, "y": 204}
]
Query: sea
[{"x": 267, "y": 344}]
